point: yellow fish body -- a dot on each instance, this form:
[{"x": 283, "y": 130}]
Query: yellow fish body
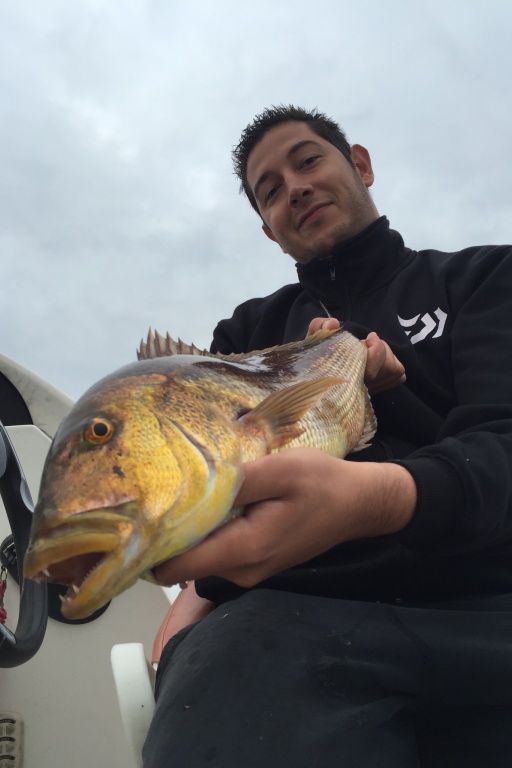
[{"x": 149, "y": 461}]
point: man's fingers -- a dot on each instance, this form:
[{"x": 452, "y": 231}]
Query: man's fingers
[
  {"x": 383, "y": 369},
  {"x": 207, "y": 558},
  {"x": 376, "y": 357},
  {"x": 322, "y": 322},
  {"x": 263, "y": 479}
]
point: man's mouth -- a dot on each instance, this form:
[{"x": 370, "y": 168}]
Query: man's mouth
[{"x": 311, "y": 213}]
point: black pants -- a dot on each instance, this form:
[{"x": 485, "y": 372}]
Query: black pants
[{"x": 278, "y": 680}]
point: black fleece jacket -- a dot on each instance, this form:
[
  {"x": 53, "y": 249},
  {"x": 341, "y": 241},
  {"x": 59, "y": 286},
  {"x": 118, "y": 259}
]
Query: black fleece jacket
[{"x": 448, "y": 319}]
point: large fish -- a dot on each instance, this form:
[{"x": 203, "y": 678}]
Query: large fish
[{"x": 149, "y": 461}]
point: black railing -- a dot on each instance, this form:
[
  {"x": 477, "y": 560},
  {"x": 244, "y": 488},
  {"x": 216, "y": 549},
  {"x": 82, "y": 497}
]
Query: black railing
[{"x": 19, "y": 646}]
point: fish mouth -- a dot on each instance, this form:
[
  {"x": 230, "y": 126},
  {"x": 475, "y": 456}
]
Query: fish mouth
[{"x": 86, "y": 554}]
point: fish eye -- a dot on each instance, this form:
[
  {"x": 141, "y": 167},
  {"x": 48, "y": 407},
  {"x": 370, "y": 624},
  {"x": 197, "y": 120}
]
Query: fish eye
[{"x": 99, "y": 431}]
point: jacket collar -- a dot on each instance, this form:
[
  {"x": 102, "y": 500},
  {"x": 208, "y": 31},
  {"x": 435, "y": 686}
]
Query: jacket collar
[{"x": 359, "y": 265}]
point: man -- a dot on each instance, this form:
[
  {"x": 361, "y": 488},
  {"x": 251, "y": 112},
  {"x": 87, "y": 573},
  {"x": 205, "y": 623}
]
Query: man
[{"x": 365, "y": 605}]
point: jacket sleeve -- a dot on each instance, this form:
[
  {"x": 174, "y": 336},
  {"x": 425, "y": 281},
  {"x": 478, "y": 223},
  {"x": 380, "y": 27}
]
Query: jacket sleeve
[
  {"x": 464, "y": 480},
  {"x": 234, "y": 334},
  {"x": 257, "y": 323}
]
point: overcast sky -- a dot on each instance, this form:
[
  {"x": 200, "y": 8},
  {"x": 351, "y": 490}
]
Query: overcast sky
[{"x": 118, "y": 206}]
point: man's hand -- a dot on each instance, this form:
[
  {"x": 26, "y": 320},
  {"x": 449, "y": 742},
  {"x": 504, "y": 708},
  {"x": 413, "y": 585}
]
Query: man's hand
[
  {"x": 383, "y": 369},
  {"x": 299, "y": 503}
]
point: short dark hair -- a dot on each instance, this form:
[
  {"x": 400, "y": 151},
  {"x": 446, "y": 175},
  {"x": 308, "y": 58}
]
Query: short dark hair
[{"x": 323, "y": 126}]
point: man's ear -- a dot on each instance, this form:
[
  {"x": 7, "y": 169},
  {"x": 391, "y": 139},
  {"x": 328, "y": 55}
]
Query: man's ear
[
  {"x": 271, "y": 236},
  {"x": 362, "y": 161},
  {"x": 268, "y": 232}
]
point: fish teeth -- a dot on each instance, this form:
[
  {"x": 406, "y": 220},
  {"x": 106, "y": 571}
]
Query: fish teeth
[
  {"x": 46, "y": 572},
  {"x": 67, "y": 598}
]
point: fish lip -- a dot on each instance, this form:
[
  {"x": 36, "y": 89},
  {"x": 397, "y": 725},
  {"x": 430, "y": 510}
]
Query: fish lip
[
  {"x": 80, "y": 556},
  {"x": 41, "y": 556},
  {"x": 107, "y": 519},
  {"x": 68, "y": 540},
  {"x": 312, "y": 209}
]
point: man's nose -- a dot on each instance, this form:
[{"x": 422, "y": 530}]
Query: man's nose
[{"x": 298, "y": 190}]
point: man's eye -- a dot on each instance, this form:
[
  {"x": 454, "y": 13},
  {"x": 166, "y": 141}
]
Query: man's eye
[
  {"x": 270, "y": 194},
  {"x": 310, "y": 159}
]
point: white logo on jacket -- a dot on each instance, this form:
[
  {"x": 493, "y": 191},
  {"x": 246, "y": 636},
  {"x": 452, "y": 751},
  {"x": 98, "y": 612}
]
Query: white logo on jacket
[{"x": 429, "y": 325}]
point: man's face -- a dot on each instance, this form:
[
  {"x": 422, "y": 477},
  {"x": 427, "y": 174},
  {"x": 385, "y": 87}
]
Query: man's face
[{"x": 309, "y": 196}]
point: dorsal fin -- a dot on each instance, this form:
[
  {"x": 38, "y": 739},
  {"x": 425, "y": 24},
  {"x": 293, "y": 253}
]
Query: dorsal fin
[{"x": 157, "y": 345}]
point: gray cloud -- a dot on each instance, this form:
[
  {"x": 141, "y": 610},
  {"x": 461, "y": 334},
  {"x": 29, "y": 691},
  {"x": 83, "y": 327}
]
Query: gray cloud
[{"x": 118, "y": 207}]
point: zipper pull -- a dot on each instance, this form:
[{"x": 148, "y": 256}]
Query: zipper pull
[{"x": 332, "y": 270}]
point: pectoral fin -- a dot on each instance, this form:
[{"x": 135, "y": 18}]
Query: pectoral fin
[{"x": 276, "y": 420}]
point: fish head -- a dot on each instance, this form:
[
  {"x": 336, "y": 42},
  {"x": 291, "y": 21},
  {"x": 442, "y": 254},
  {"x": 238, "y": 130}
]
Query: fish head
[{"x": 119, "y": 486}]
